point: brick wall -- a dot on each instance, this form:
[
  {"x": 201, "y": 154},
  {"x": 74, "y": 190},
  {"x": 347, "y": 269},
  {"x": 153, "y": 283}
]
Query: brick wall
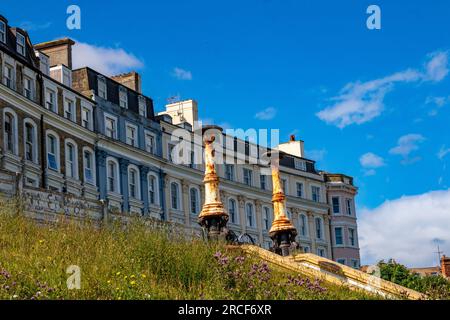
[{"x": 445, "y": 266}]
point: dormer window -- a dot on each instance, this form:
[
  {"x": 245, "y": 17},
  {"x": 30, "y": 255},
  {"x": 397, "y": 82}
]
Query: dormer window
[
  {"x": 142, "y": 107},
  {"x": 20, "y": 43},
  {"x": 300, "y": 164},
  {"x": 2, "y": 31},
  {"x": 101, "y": 87},
  {"x": 123, "y": 97}
]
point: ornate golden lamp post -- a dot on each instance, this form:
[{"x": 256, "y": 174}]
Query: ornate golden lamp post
[
  {"x": 213, "y": 217},
  {"x": 283, "y": 232}
]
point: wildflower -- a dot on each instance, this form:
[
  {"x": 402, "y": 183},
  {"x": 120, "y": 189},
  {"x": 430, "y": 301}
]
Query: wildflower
[
  {"x": 41, "y": 241},
  {"x": 132, "y": 276},
  {"x": 109, "y": 281},
  {"x": 133, "y": 283},
  {"x": 118, "y": 273},
  {"x": 125, "y": 277},
  {"x": 143, "y": 276}
]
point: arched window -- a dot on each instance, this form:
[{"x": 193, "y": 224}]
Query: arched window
[
  {"x": 250, "y": 215},
  {"x": 153, "y": 188},
  {"x": 52, "y": 151},
  {"x": 232, "y": 211},
  {"x": 89, "y": 166},
  {"x": 303, "y": 225},
  {"x": 319, "y": 228},
  {"x": 71, "y": 160},
  {"x": 175, "y": 195},
  {"x": 134, "y": 183},
  {"x": 30, "y": 141},
  {"x": 193, "y": 193},
  {"x": 10, "y": 131},
  {"x": 113, "y": 175},
  {"x": 266, "y": 218}
]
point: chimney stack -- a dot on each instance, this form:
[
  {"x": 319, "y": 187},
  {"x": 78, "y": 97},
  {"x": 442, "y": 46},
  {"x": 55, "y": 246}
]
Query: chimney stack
[
  {"x": 59, "y": 51},
  {"x": 131, "y": 80}
]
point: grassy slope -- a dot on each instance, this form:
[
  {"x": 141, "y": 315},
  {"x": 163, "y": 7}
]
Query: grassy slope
[{"x": 136, "y": 263}]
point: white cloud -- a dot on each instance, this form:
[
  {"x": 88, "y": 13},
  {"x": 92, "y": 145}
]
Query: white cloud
[
  {"x": 406, "y": 145},
  {"x": 443, "y": 152},
  {"x": 182, "y": 74},
  {"x": 406, "y": 229},
  {"x": 109, "y": 61},
  {"x": 266, "y": 114},
  {"x": 31, "y": 26},
  {"x": 371, "y": 160},
  {"x": 437, "y": 103},
  {"x": 360, "y": 102},
  {"x": 437, "y": 67},
  {"x": 316, "y": 155}
]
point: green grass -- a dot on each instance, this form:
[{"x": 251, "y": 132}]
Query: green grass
[{"x": 136, "y": 262}]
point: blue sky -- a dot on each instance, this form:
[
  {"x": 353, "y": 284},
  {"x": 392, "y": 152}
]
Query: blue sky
[{"x": 293, "y": 59}]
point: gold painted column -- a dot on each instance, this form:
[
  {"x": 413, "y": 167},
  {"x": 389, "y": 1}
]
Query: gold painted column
[
  {"x": 213, "y": 217},
  {"x": 283, "y": 232}
]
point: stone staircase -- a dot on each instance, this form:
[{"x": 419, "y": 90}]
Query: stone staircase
[{"x": 329, "y": 271}]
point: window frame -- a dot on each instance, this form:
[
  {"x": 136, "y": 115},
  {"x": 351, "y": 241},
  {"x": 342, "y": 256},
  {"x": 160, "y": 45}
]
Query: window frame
[
  {"x": 336, "y": 206},
  {"x": 142, "y": 106},
  {"x": 135, "y": 141},
  {"x": 229, "y": 175},
  {"x": 319, "y": 228},
  {"x": 175, "y": 196},
  {"x": 148, "y": 134},
  {"x": 155, "y": 189},
  {"x": 194, "y": 206},
  {"x": 115, "y": 175},
  {"x": 352, "y": 241},
  {"x": 247, "y": 179},
  {"x": 263, "y": 181},
  {"x": 28, "y": 90},
  {"x": 50, "y": 93},
  {"x": 30, "y": 144},
  {"x": 22, "y": 46},
  {"x": 55, "y": 153},
  {"x": 349, "y": 208},
  {"x": 115, "y": 133},
  {"x": 303, "y": 228},
  {"x": 8, "y": 75},
  {"x": 341, "y": 236},
  {"x": 3, "y": 31},
  {"x": 233, "y": 216},
  {"x": 69, "y": 143},
  {"x": 266, "y": 218},
  {"x": 315, "y": 196},
  {"x": 102, "y": 80},
  {"x": 123, "y": 97},
  {"x": 69, "y": 108},
  {"x": 133, "y": 171},
  {"x": 92, "y": 166},
  {"x": 301, "y": 193},
  {"x": 250, "y": 214}
]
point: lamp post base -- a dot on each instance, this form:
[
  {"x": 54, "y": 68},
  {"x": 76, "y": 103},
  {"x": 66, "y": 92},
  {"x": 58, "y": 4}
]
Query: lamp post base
[
  {"x": 215, "y": 227},
  {"x": 282, "y": 241}
]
